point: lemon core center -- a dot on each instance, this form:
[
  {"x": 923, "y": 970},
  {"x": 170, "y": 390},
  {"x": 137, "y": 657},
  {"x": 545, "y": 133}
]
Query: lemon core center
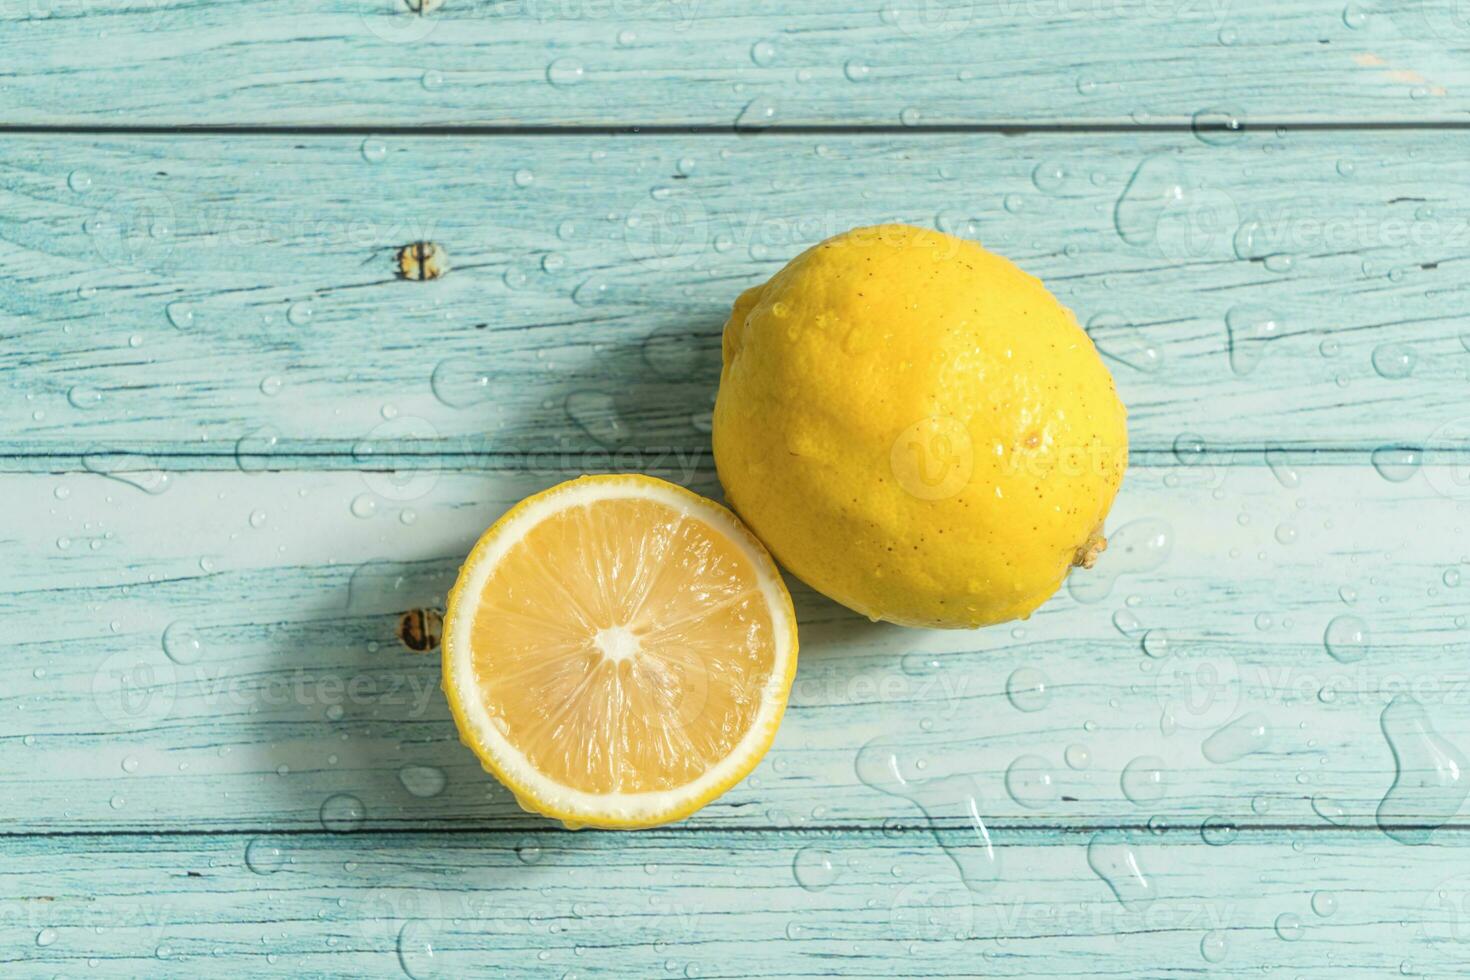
[{"x": 617, "y": 643}]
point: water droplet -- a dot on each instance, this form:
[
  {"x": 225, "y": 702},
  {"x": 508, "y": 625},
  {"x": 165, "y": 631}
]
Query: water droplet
[
  {"x": 814, "y": 868},
  {"x": 1279, "y": 462},
  {"x": 528, "y": 851},
  {"x": 592, "y": 292},
  {"x": 342, "y": 813},
  {"x": 416, "y": 952},
  {"x": 131, "y": 468},
  {"x": 130, "y": 765},
  {"x": 1213, "y": 946},
  {"x": 1216, "y": 127},
  {"x": 1137, "y": 547},
  {"x": 1030, "y": 783},
  {"x": 1156, "y": 644},
  {"x": 364, "y": 505},
  {"x": 1451, "y": 578},
  {"x": 1077, "y": 757},
  {"x": 1218, "y": 831},
  {"x": 919, "y": 664},
  {"x": 1346, "y": 638},
  {"x": 1156, "y": 184},
  {"x": 374, "y": 151},
  {"x": 757, "y": 114},
  {"x": 1289, "y": 926},
  {"x": 1028, "y": 689},
  {"x": 1330, "y": 810},
  {"x": 432, "y": 80},
  {"x": 180, "y": 314},
  {"x": 423, "y": 781},
  {"x": 182, "y": 644},
  {"x": 46, "y": 937},
  {"x": 1125, "y": 342},
  {"x": 1250, "y": 329},
  {"x": 1354, "y": 16},
  {"x": 264, "y": 856},
  {"x": 1113, "y": 859},
  {"x": 1394, "y": 361},
  {"x": 1429, "y": 782},
  {"x": 258, "y": 519},
  {"x": 459, "y": 384},
  {"x": 565, "y": 71},
  {"x": 84, "y": 397},
  {"x": 1249, "y": 241},
  {"x": 1238, "y": 739},
  {"x": 299, "y": 314},
  {"x": 1397, "y": 463},
  {"x": 254, "y": 449},
  {"x": 270, "y": 386},
  {"x": 79, "y": 181},
  {"x": 856, "y": 71},
  {"x": 956, "y": 800},
  {"x": 596, "y": 414},
  {"x": 1324, "y": 904},
  {"x": 523, "y": 178},
  {"x": 1056, "y": 178},
  {"x": 763, "y": 53},
  {"x": 1143, "y": 780},
  {"x": 1127, "y": 623},
  {"x": 910, "y": 116}
]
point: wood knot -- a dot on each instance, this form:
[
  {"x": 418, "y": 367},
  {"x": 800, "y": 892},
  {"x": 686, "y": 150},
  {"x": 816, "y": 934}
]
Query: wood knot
[
  {"x": 421, "y": 629},
  {"x": 422, "y": 260}
]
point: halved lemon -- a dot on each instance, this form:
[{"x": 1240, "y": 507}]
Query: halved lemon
[{"x": 618, "y": 651}]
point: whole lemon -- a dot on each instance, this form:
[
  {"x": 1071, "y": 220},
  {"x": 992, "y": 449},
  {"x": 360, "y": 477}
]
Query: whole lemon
[{"x": 917, "y": 428}]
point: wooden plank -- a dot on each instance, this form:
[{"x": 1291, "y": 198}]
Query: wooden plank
[
  {"x": 299, "y": 690},
  {"x": 190, "y": 296},
  {"x": 728, "y": 904},
  {"x": 375, "y": 63}
]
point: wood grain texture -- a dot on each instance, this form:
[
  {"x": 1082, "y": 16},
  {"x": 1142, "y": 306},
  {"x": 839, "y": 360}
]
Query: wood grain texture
[
  {"x": 725, "y": 904},
  {"x": 721, "y": 62},
  {"x": 237, "y": 445},
  {"x": 300, "y": 688},
  {"x": 175, "y": 296}
]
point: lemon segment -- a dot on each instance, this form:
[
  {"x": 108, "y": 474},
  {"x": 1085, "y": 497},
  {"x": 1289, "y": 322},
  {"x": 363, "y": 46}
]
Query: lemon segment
[{"x": 618, "y": 651}]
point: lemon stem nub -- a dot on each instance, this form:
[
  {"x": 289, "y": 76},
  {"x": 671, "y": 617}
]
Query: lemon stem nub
[{"x": 1086, "y": 555}]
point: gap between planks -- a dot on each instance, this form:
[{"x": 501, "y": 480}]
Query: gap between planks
[
  {"x": 1187, "y": 829},
  {"x": 390, "y": 460},
  {"x": 1184, "y": 126}
]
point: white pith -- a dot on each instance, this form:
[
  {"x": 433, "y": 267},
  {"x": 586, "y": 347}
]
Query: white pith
[{"x": 571, "y": 803}]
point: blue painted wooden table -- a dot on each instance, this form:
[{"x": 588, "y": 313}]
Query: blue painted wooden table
[{"x": 238, "y": 448}]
